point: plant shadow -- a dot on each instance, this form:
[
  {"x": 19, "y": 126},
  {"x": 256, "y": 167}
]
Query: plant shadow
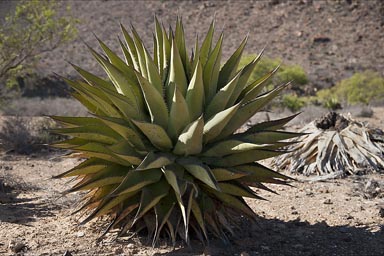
[
  {"x": 276, "y": 237},
  {"x": 14, "y": 208}
]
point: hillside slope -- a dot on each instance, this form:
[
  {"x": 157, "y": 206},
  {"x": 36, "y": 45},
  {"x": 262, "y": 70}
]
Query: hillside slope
[{"x": 330, "y": 39}]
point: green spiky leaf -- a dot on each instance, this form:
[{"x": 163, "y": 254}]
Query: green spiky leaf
[
  {"x": 190, "y": 141},
  {"x": 156, "y": 160}
]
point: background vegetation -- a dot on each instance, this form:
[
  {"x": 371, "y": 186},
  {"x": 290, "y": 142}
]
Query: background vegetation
[
  {"x": 286, "y": 73},
  {"x": 34, "y": 27},
  {"x": 361, "y": 88}
]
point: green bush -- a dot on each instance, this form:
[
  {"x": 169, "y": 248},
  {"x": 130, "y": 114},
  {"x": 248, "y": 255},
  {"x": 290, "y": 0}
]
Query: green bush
[
  {"x": 292, "y": 102},
  {"x": 332, "y": 103},
  {"x": 34, "y": 27},
  {"x": 293, "y": 73},
  {"x": 365, "y": 87}
]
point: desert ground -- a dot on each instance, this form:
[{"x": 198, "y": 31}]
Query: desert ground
[
  {"x": 330, "y": 39},
  {"x": 329, "y": 217}
]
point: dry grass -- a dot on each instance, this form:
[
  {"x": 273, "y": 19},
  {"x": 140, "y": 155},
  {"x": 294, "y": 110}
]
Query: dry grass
[
  {"x": 44, "y": 107},
  {"x": 25, "y": 135}
]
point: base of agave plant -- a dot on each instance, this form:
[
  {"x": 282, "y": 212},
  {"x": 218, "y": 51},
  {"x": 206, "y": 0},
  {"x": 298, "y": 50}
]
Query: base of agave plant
[
  {"x": 335, "y": 146},
  {"x": 230, "y": 226}
]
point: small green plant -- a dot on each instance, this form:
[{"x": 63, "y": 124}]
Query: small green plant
[
  {"x": 33, "y": 28},
  {"x": 162, "y": 152},
  {"x": 365, "y": 87},
  {"x": 293, "y": 73},
  {"x": 292, "y": 102},
  {"x": 332, "y": 103}
]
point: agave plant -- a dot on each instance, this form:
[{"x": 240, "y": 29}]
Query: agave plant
[{"x": 162, "y": 152}]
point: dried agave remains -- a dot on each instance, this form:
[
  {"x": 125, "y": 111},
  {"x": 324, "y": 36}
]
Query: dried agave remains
[{"x": 333, "y": 146}]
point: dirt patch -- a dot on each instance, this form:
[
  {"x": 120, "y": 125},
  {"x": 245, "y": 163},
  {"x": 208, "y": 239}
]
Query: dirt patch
[{"x": 336, "y": 217}]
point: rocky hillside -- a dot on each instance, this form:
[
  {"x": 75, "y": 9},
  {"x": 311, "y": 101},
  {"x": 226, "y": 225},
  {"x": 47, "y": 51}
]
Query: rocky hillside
[{"x": 330, "y": 39}]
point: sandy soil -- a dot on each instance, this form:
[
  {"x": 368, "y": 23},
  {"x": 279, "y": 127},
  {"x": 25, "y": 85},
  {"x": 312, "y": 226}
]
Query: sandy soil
[{"x": 332, "y": 217}]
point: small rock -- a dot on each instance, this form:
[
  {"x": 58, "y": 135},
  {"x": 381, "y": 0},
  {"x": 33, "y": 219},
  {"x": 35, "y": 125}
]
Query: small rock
[
  {"x": 80, "y": 234},
  {"x": 16, "y": 246},
  {"x": 308, "y": 192},
  {"x": 294, "y": 212},
  {"x": 298, "y": 246},
  {"x": 381, "y": 212},
  {"x": 209, "y": 4},
  {"x": 324, "y": 190},
  {"x": 321, "y": 39},
  {"x": 265, "y": 248},
  {"x": 244, "y": 254},
  {"x": 130, "y": 246},
  {"x": 274, "y": 2},
  {"x": 328, "y": 201},
  {"x": 119, "y": 251}
]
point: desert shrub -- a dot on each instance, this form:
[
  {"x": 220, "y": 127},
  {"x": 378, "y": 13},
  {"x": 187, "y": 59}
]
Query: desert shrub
[
  {"x": 15, "y": 136},
  {"x": 294, "y": 73},
  {"x": 365, "y": 87},
  {"x": 23, "y": 135},
  {"x": 361, "y": 88},
  {"x": 292, "y": 102},
  {"x": 34, "y": 27},
  {"x": 43, "y": 86},
  {"x": 332, "y": 103}
]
